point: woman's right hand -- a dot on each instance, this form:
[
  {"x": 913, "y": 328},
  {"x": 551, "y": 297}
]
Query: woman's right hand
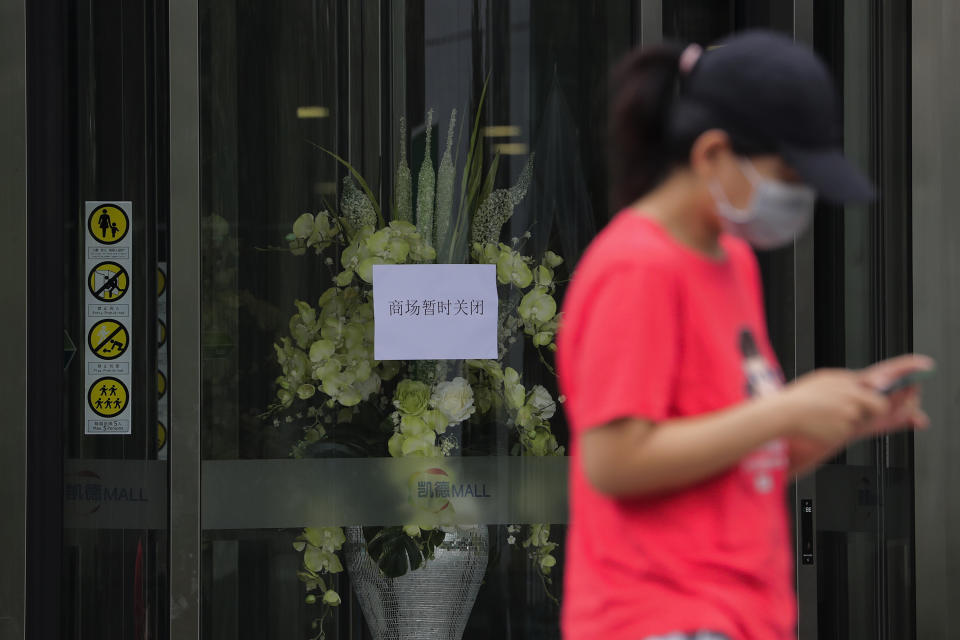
[{"x": 830, "y": 406}]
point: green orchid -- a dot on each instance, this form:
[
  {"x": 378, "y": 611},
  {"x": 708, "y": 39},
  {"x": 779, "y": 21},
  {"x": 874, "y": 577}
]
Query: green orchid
[
  {"x": 512, "y": 268},
  {"x": 328, "y": 370},
  {"x": 552, "y": 260},
  {"x": 537, "y": 307},
  {"x": 319, "y": 560}
]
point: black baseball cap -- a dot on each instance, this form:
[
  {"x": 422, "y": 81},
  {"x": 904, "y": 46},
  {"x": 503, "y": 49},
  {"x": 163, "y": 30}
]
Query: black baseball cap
[{"x": 773, "y": 95}]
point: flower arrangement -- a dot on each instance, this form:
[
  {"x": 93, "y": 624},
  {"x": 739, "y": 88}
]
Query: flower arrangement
[{"x": 332, "y": 383}]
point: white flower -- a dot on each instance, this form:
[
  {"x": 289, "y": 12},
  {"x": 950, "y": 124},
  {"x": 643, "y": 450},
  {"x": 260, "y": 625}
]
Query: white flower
[
  {"x": 511, "y": 540},
  {"x": 454, "y": 399},
  {"x": 541, "y": 401}
]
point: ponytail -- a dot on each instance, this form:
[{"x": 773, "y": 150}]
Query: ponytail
[{"x": 644, "y": 87}]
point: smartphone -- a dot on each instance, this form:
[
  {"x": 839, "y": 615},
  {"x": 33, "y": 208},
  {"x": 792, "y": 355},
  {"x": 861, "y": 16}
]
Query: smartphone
[{"x": 906, "y": 381}]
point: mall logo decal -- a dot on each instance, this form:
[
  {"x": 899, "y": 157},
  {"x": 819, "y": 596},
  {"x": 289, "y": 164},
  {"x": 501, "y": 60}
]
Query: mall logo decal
[
  {"x": 432, "y": 490},
  {"x": 86, "y": 492}
]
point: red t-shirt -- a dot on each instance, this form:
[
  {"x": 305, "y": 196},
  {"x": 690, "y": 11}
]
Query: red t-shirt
[{"x": 655, "y": 330}]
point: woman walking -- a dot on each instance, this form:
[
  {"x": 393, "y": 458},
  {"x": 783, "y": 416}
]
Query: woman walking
[{"x": 684, "y": 436}]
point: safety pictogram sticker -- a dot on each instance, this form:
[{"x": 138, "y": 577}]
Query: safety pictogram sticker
[
  {"x": 108, "y": 397},
  {"x": 161, "y": 281},
  {"x": 108, "y": 339},
  {"x": 161, "y": 435},
  {"x": 161, "y": 384},
  {"x": 108, "y": 281},
  {"x": 108, "y": 224},
  {"x": 161, "y": 333}
]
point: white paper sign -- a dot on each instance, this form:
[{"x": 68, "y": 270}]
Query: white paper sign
[{"x": 435, "y": 311}]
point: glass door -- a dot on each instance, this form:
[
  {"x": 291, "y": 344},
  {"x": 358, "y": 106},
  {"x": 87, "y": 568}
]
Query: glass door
[
  {"x": 335, "y": 136},
  {"x": 233, "y": 459},
  {"x": 864, "y": 526},
  {"x": 841, "y": 297},
  {"x": 318, "y": 139},
  {"x": 103, "y": 189}
]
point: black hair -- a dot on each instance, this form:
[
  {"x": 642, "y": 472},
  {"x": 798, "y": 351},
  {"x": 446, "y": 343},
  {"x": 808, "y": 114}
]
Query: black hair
[
  {"x": 643, "y": 84},
  {"x": 653, "y": 124}
]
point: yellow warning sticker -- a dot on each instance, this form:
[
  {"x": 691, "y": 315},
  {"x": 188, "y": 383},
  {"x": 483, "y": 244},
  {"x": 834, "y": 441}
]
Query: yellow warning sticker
[
  {"x": 108, "y": 339},
  {"x": 161, "y": 282},
  {"x": 108, "y": 397},
  {"x": 108, "y": 224},
  {"x": 161, "y": 384},
  {"x": 161, "y": 435},
  {"x": 108, "y": 281},
  {"x": 161, "y": 333}
]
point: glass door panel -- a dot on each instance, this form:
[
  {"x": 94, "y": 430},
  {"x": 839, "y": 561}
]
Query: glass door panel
[
  {"x": 865, "y": 515},
  {"x": 338, "y": 135},
  {"x": 860, "y": 561},
  {"x": 115, "y": 538}
]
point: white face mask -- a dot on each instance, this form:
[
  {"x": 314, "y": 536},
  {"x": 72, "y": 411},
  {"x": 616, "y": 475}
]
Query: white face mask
[{"x": 777, "y": 213}]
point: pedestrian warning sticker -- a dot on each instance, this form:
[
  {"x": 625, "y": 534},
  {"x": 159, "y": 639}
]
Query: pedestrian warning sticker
[
  {"x": 161, "y": 281},
  {"x": 108, "y": 397},
  {"x": 161, "y": 384},
  {"x": 108, "y": 339},
  {"x": 108, "y": 281},
  {"x": 161, "y": 435},
  {"x": 108, "y": 224},
  {"x": 161, "y": 333}
]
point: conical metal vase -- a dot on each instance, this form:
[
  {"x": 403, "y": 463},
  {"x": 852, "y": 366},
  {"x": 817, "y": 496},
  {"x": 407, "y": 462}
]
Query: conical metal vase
[{"x": 431, "y": 603}]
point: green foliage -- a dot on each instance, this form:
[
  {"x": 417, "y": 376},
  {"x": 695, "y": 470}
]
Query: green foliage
[
  {"x": 426, "y": 188},
  {"x": 403, "y": 184},
  {"x": 396, "y": 552},
  {"x": 346, "y": 399}
]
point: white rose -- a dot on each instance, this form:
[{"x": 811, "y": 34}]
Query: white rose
[{"x": 454, "y": 399}]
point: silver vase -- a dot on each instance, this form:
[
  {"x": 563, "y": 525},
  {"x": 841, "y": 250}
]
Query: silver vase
[{"x": 431, "y": 603}]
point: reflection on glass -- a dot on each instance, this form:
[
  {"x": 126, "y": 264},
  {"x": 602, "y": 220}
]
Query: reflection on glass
[
  {"x": 338, "y": 136},
  {"x": 113, "y": 576}
]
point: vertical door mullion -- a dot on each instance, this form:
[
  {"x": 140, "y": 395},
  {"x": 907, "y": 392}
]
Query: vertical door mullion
[
  {"x": 650, "y": 17},
  {"x": 184, "y": 333},
  {"x": 804, "y": 361},
  {"x": 13, "y": 298}
]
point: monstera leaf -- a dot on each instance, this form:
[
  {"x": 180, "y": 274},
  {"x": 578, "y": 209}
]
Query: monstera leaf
[{"x": 395, "y": 552}]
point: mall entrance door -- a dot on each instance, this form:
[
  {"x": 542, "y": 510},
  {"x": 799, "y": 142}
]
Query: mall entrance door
[{"x": 224, "y": 444}]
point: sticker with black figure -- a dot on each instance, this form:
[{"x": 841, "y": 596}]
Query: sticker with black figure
[
  {"x": 760, "y": 379},
  {"x": 107, "y": 281}
]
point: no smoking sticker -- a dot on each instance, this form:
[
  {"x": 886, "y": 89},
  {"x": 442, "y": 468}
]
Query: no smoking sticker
[
  {"x": 108, "y": 339},
  {"x": 108, "y": 281},
  {"x": 108, "y": 397},
  {"x": 108, "y": 224}
]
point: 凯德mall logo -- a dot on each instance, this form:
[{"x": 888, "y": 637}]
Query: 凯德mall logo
[
  {"x": 85, "y": 492},
  {"x": 433, "y": 489}
]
